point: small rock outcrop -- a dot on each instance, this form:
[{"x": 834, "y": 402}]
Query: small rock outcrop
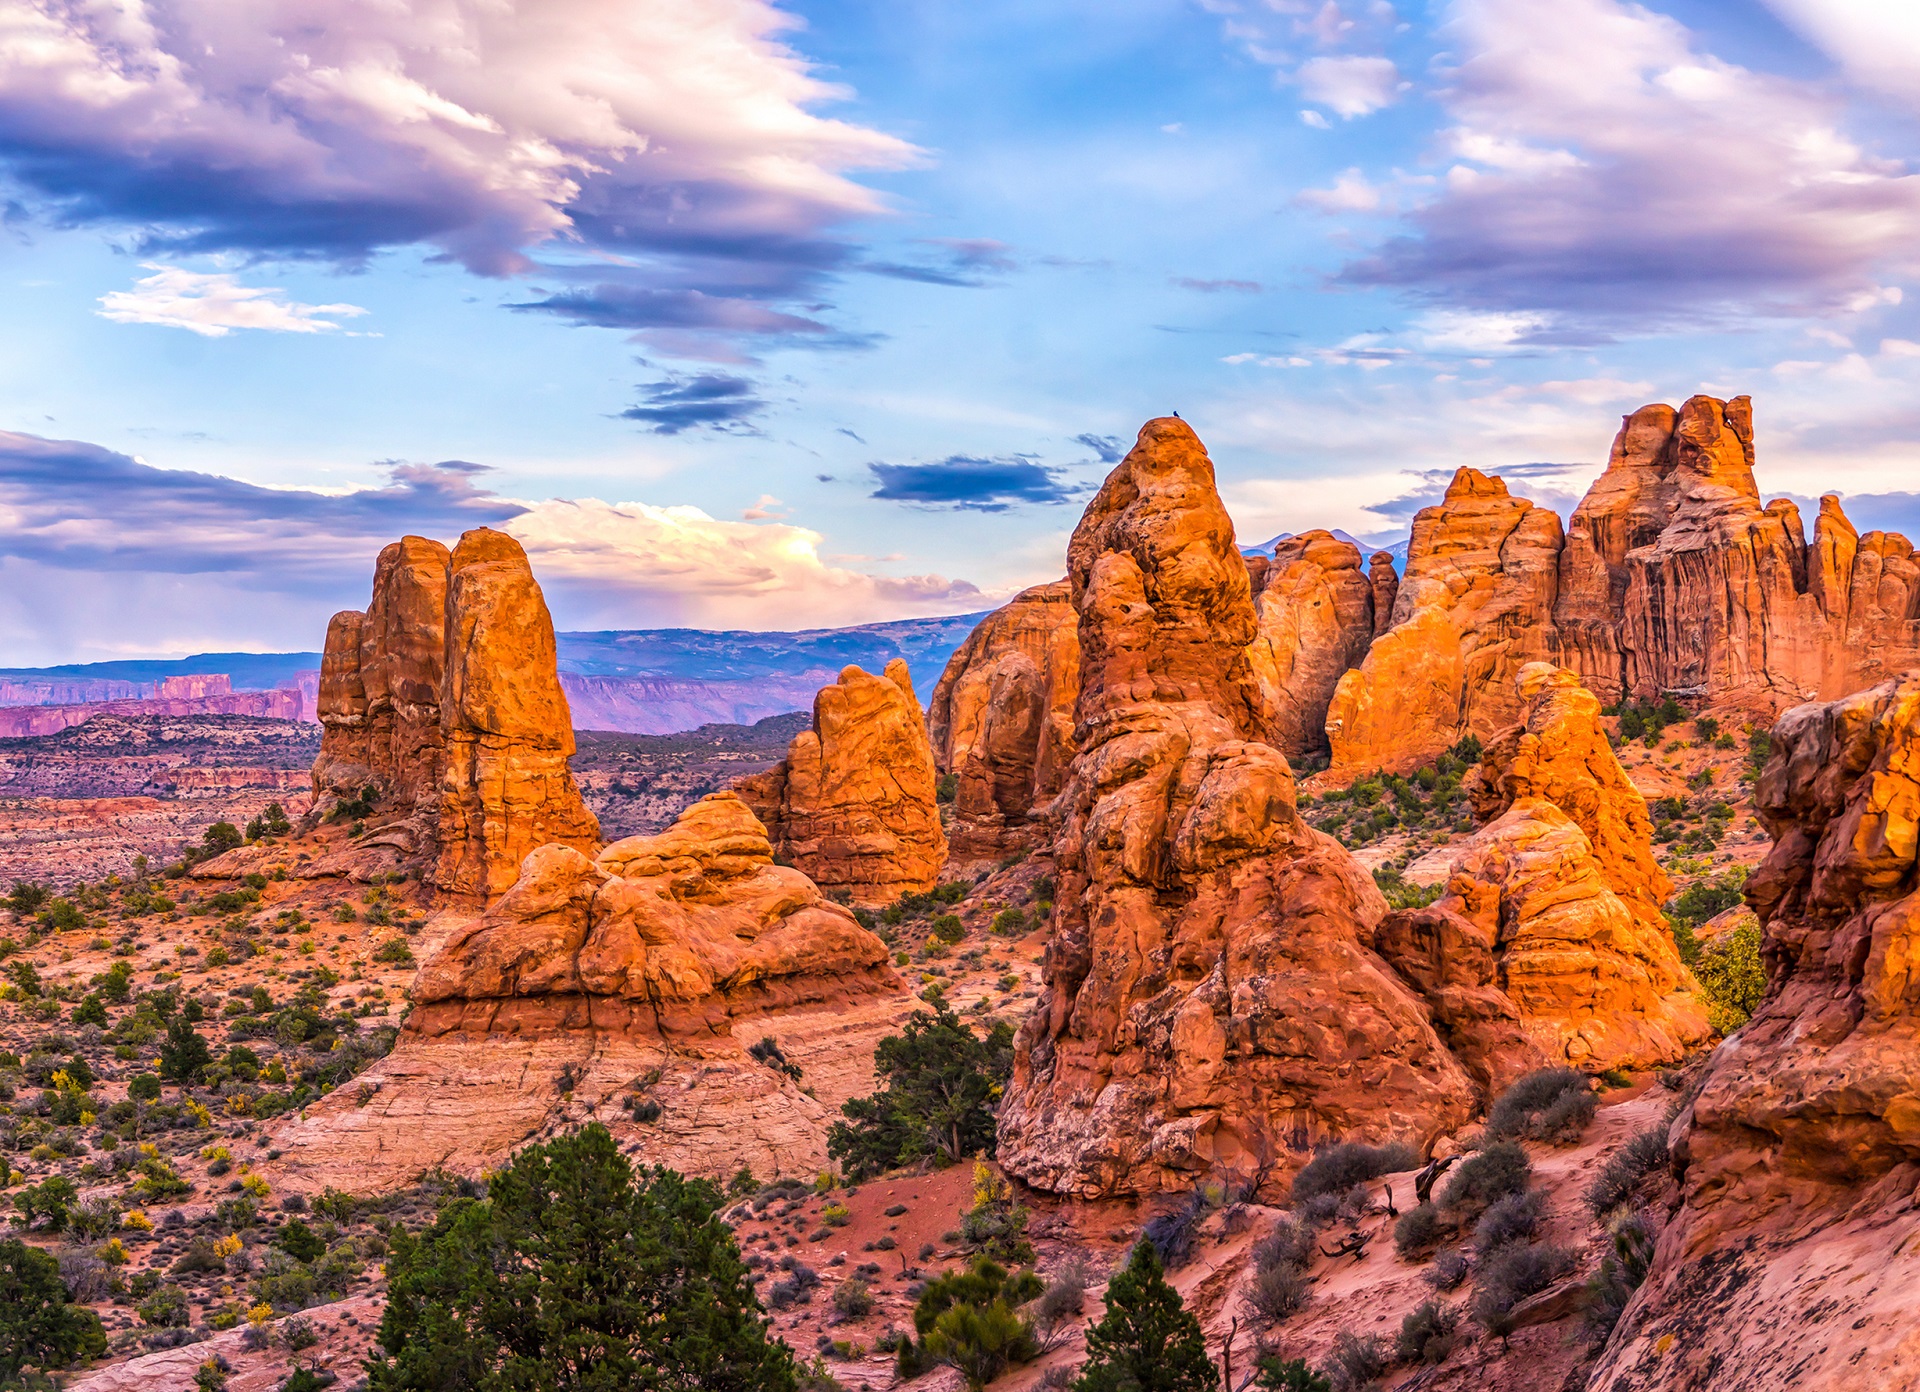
[
  {"x": 1793, "y": 1259},
  {"x": 1212, "y": 1002},
  {"x": 444, "y": 699},
  {"x": 1315, "y": 619},
  {"x": 1001, "y": 722},
  {"x": 854, "y": 803},
  {"x": 668, "y": 935},
  {"x": 1474, "y": 606},
  {"x": 1561, "y": 889}
]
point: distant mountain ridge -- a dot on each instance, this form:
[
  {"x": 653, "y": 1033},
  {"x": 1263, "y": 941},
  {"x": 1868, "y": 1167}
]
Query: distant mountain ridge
[
  {"x": 642, "y": 681},
  {"x": 1398, "y": 550}
]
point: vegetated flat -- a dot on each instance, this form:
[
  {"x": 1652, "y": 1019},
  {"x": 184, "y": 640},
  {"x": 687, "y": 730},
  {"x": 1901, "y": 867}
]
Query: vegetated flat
[{"x": 637, "y": 784}]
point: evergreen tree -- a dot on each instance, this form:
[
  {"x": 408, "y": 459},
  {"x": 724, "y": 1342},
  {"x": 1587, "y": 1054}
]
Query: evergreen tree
[
  {"x": 971, "y": 1320},
  {"x": 39, "y": 1328},
  {"x": 943, "y": 1082},
  {"x": 1147, "y": 1341},
  {"x": 574, "y": 1273},
  {"x": 185, "y": 1055}
]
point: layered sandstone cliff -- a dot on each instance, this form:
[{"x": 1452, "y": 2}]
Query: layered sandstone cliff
[
  {"x": 1556, "y": 903},
  {"x": 1795, "y": 1254},
  {"x": 1213, "y": 1002},
  {"x": 443, "y": 699},
  {"x": 854, "y": 803},
  {"x": 1474, "y": 606},
  {"x": 1315, "y": 612},
  {"x": 1001, "y": 721}
]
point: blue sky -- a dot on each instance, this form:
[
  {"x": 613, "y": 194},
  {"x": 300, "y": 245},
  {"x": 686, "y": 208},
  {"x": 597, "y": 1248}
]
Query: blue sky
[{"x": 775, "y": 317}]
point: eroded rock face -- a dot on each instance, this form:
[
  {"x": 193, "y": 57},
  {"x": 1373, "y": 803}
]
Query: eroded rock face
[
  {"x": 853, "y": 804},
  {"x": 1314, "y": 608},
  {"x": 1796, "y": 1252},
  {"x": 668, "y": 935},
  {"x": 380, "y": 676},
  {"x": 1560, "y": 887},
  {"x": 1001, "y": 721},
  {"x": 504, "y": 724},
  {"x": 1474, "y": 606},
  {"x": 444, "y": 698},
  {"x": 1213, "y": 1002}
]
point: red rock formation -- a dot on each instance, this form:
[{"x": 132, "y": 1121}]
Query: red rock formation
[
  {"x": 853, "y": 804},
  {"x": 1001, "y": 721},
  {"x": 1562, "y": 889},
  {"x": 665, "y": 935},
  {"x": 1212, "y": 1000},
  {"x": 1474, "y": 606},
  {"x": 1315, "y": 611},
  {"x": 1385, "y": 581},
  {"x": 22, "y": 722},
  {"x": 444, "y": 697},
  {"x": 1794, "y": 1258},
  {"x": 504, "y": 727}
]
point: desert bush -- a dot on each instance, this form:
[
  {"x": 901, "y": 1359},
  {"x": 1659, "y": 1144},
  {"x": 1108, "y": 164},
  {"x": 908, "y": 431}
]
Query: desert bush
[
  {"x": 853, "y": 1298},
  {"x": 1357, "y": 1361},
  {"x": 1418, "y": 1230},
  {"x": 1507, "y": 1220},
  {"x": 970, "y": 1319},
  {"x": 1428, "y": 1334},
  {"x": 86, "y": 1278},
  {"x": 1510, "y": 1276},
  {"x": 1064, "y": 1298},
  {"x": 1449, "y": 1269},
  {"x": 1337, "y": 1168},
  {"x": 1550, "y": 1104},
  {"x": 796, "y": 1289},
  {"x": 1486, "y": 1175},
  {"x": 1623, "y": 1171},
  {"x": 1277, "y": 1374},
  {"x": 1620, "y": 1274},
  {"x": 1290, "y": 1243},
  {"x": 1278, "y": 1291},
  {"x": 166, "y": 1308}
]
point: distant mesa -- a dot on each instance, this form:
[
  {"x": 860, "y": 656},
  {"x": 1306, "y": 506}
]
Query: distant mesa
[{"x": 854, "y": 804}]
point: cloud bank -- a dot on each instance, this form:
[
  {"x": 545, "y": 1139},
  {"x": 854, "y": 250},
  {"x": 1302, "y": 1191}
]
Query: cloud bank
[
  {"x": 215, "y": 305},
  {"x": 102, "y": 554}
]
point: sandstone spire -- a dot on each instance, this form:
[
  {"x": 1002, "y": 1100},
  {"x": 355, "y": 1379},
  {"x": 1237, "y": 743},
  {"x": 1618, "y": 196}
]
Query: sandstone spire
[
  {"x": 853, "y": 804},
  {"x": 1474, "y": 606},
  {"x": 1211, "y": 971},
  {"x": 1315, "y": 613}
]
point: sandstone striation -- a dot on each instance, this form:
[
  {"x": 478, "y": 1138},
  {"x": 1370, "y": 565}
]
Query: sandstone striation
[
  {"x": 854, "y": 802},
  {"x": 1212, "y": 1001},
  {"x": 1795, "y": 1254},
  {"x": 1560, "y": 889},
  {"x": 443, "y": 698},
  {"x": 1001, "y": 722},
  {"x": 1315, "y": 612},
  {"x": 1474, "y": 606},
  {"x": 663, "y": 958}
]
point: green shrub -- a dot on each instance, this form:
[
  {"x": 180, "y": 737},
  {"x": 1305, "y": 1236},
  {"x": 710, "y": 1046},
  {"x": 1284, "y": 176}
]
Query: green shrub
[
  {"x": 395, "y": 951},
  {"x": 1418, "y": 1230},
  {"x": 1486, "y": 1176},
  {"x": 1335, "y": 1169},
  {"x": 942, "y": 1086},
  {"x": 166, "y": 1308},
  {"x": 1551, "y": 1104},
  {"x": 1732, "y": 976},
  {"x": 970, "y": 1320},
  {"x": 1620, "y": 1176},
  {"x": 1428, "y": 1334},
  {"x": 948, "y": 928}
]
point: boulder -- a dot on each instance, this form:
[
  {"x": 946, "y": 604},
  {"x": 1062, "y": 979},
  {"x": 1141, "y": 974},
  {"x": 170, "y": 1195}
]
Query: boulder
[
  {"x": 1213, "y": 1003},
  {"x": 854, "y": 803},
  {"x": 1561, "y": 885},
  {"x": 1474, "y": 606},
  {"x": 1001, "y": 722},
  {"x": 1794, "y": 1255},
  {"x": 662, "y": 936},
  {"x": 1314, "y": 609},
  {"x": 505, "y": 730}
]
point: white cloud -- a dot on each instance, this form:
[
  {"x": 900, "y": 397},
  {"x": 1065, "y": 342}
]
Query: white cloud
[
  {"x": 1350, "y": 86},
  {"x": 1608, "y": 169},
  {"x": 1350, "y": 193},
  {"x": 1310, "y": 117},
  {"x": 1877, "y": 42},
  {"x": 766, "y": 508},
  {"x": 215, "y": 305},
  {"x": 485, "y": 127},
  {"x": 679, "y": 565}
]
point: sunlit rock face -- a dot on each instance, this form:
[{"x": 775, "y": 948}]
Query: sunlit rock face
[
  {"x": 854, "y": 804},
  {"x": 1213, "y": 1001},
  {"x": 1796, "y": 1252}
]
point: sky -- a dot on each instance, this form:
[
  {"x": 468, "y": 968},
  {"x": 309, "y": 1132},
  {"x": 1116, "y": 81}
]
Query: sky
[{"x": 779, "y": 316}]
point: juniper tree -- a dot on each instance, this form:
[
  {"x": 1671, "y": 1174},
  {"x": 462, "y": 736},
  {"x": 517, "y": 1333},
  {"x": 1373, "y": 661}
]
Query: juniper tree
[{"x": 1147, "y": 1341}]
